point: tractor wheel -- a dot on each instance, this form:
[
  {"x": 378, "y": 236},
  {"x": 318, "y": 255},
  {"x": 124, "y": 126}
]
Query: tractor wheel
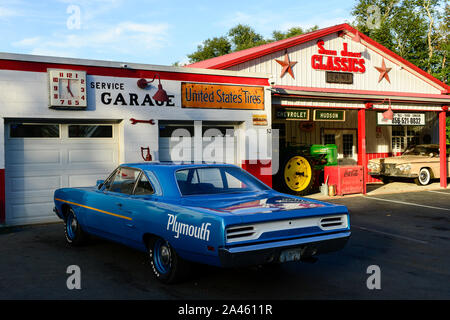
[{"x": 298, "y": 175}]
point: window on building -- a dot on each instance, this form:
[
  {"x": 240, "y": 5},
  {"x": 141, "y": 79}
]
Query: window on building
[
  {"x": 348, "y": 145},
  {"x": 90, "y": 131},
  {"x": 404, "y": 137},
  {"x": 28, "y": 130},
  {"x": 329, "y": 138}
]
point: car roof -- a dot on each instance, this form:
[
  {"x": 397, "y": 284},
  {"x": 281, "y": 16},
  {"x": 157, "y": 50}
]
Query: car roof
[{"x": 174, "y": 165}]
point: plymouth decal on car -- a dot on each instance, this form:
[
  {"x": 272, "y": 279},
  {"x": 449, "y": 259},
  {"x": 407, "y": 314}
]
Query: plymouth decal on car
[{"x": 216, "y": 214}]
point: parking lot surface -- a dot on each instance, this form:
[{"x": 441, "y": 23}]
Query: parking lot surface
[{"x": 406, "y": 236}]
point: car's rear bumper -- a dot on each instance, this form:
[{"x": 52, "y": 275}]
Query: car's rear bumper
[{"x": 269, "y": 252}]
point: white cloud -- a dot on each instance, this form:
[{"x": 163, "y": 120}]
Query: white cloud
[
  {"x": 126, "y": 38},
  {"x": 6, "y": 12},
  {"x": 27, "y": 42}
]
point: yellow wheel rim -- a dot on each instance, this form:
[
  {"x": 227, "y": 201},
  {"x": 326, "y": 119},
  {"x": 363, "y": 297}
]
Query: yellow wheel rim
[{"x": 297, "y": 173}]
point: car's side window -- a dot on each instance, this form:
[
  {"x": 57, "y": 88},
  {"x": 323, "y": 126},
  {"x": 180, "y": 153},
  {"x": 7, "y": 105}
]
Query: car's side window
[
  {"x": 123, "y": 180},
  {"x": 143, "y": 186}
]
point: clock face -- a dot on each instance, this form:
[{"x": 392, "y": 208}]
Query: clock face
[{"x": 67, "y": 88}]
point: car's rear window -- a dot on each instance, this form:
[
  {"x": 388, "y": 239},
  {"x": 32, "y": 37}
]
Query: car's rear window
[{"x": 214, "y": 180}]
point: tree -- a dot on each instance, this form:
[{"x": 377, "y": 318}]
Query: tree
[
  {"x": 211, "y": 48},
  {"x": 244, "y": 37},
  {"x": 292, "y": 32},
  {"x": 239, "y": 38},
  {"x": 414, "y": 29}
]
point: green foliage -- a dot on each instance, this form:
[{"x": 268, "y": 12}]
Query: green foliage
[
  {"x": 244, "y": 37},
  {"x": 417, "y": 30},
  {"x": 292, "y": 32},
  {"x": 448, "y": 129},
  {"x": 239, "y": 38},
  {"x": 211, "y": 48}
]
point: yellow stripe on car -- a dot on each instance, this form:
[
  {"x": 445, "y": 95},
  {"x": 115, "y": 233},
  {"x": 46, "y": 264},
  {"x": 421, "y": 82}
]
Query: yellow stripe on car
[{"x": 90, "y": 208}]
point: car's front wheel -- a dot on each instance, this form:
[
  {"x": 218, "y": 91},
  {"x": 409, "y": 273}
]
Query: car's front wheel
[
  {"x": 72, "y": 230},
  {"x": 424, "y": 177},
  {"x": 166, "y": 265}
]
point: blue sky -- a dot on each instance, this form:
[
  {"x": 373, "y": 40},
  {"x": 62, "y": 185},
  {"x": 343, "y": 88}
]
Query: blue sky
[{"x": 154, "y": 32}]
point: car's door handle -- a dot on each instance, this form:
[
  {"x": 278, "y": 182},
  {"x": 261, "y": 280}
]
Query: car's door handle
[
  {"x": 119, "y": 204},
  {"x": 131, "y": 225}
]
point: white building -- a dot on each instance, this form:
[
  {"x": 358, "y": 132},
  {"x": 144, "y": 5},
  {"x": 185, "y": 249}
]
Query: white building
[{"x": 69, "y": 122}]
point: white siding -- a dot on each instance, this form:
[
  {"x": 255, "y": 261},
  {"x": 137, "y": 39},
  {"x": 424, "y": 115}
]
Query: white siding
[{"x": 402, "y": 79}]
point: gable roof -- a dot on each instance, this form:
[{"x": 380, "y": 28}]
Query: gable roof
[{"x": 238, "y": 57}]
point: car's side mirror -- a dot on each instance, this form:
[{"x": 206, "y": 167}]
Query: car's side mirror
[{"x": 100, "y": 184}]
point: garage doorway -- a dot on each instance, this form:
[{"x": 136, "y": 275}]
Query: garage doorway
[
  {"x": 41, "y": 157},
  {"x": 217, "y": 141}
]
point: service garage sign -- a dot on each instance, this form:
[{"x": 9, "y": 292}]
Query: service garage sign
[{"x": 124, "y": 92}]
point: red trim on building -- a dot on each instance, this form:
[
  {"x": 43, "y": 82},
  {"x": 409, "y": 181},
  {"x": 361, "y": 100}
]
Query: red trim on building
[
  {"x": 232, "y": 59},
  {"x": 2, "y": 197},
  {"x": 350, "y": 108},
  {"x": 382, "y": 94},
  {"x": 443, "y": 148},
  {"x": 257, "y": 168},
  {"x": 362, "y": 157},
  {"x": 131, "y": 73}
]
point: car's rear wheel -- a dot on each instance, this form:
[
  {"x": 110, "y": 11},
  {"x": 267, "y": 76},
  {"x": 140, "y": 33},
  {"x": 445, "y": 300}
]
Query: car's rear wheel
[
  {"x": 166, "y": 265},
  {"x": 72, "y": 229},
  {"x": 424, "y": 177}
]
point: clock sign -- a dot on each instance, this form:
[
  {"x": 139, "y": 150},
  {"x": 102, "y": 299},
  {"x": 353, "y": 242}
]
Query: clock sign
[{"x": 67, "y": 88}]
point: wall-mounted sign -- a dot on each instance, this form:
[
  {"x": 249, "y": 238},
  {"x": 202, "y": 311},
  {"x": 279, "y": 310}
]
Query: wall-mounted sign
[
  {"x": 195, "y": 95},
  {"x": 402, "y": 119},
  {"x": 67, "y": 88},
  {"x": 332, "y": 60},
  {"x": 123, "y": 92},
  {"x": 329, "y": 115},
  {"x": 339, "y": 77},
  {"x": 259, "y": 119},
  {"x": 292, "y": 114}
]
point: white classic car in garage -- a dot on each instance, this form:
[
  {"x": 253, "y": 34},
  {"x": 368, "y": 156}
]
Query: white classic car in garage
[{"x": 420, "y": 163}]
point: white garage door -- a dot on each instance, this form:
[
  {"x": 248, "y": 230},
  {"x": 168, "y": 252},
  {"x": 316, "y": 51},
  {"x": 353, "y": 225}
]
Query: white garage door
[
  {"x": 218, "y": 143},
  {"x": 40, "y": 158}
]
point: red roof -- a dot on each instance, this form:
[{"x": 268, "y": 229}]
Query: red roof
[{"x": 238, "y": 57}]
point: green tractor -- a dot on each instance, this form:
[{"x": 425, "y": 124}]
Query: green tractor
[{"x": 301, "y": 167}]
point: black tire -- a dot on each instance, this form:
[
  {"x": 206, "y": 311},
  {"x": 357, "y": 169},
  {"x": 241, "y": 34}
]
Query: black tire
[
  {"x": 424, "y": 178},
  {"x": 74, "y": 234},
  {"x": 305, "y": 178},
  {"x": 166, "y": 264}
]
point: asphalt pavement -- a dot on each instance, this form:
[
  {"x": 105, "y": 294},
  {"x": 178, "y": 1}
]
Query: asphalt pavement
[{"x": 402, "y": 239}]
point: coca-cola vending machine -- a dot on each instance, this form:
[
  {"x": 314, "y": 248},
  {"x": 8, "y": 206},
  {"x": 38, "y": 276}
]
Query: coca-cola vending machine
[{"x": 346, "y": 179}]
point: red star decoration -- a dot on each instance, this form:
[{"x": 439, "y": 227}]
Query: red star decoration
[
  {"x": 287, "y": 66},
  {"x": 383, "y": 72}
]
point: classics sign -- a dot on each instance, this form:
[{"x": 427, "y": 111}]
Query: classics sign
[{"x": 333, "y": 60}]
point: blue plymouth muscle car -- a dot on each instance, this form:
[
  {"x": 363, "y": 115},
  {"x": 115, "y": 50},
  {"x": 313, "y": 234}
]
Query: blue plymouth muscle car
[{"x": 216, "y": 214}]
